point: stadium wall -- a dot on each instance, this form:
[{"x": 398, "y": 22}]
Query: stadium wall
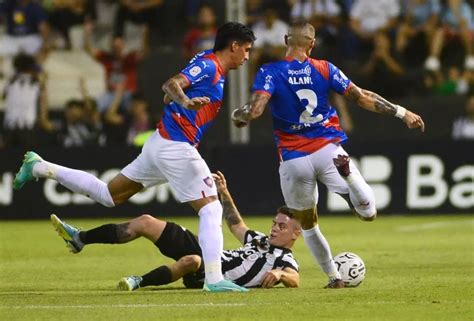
[{"x": 407, "y": 177}]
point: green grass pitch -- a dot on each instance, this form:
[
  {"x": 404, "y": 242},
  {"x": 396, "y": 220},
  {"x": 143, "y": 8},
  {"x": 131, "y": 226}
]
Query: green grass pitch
[{"x": 418, "y": 268}]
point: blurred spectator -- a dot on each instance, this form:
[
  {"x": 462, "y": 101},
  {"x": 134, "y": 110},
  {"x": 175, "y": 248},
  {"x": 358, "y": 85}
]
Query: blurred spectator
[
  {"x": 148, "y": 12},
  {"x": 368, "y": 18},
  {"x": 455, "y": 82},
  {"x": 65, "y": 14},
  {"x": 457, "y": 24},
  {"x": 325, "y": 16},
  {"x": 254, "y": 11},
  {"x": 385, "y": 72},
  {"x": 27, "y": 30},
  {"x": 282, "y": 8},
  {"x": 463, "y": 127},
  {"x": 308, "y": 9},
  {"x": 79, "y": 130},
  {"x": 122, "y": 126},
  {"x": 202, "y": 36},
  {"x": 270, "y": 43},
  {"x": 25, "y": 104},
  {"x": 120, "y": 67},
  {"x": 417, "y": 28}
]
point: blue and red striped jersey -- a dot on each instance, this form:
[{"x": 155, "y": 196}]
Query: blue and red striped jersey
[
  {"x": 206, "y": 79},
  {"x": 303, "y": 119}
]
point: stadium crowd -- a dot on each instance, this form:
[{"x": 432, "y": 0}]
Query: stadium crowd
[{"x": 398, "y": 48}]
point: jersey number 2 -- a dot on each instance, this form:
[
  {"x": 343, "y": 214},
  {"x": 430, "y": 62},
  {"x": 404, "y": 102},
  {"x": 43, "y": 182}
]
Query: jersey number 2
[{"x": 306, "y": 116}]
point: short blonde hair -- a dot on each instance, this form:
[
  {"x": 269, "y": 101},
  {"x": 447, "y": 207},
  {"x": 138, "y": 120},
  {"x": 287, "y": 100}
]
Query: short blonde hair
[{"x": 300, "y": 34}]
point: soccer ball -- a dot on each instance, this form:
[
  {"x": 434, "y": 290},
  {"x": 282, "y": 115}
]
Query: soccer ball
[{"x": 351, "y": 267}]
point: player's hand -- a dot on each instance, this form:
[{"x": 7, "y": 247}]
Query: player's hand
[
  {"x": 271, "y": 278},
  {"x": 196, "y": 103},
  {"x": 413, "y": 120},
  {"x": 166, "y": 99},
  {"x": 237, "y": 117},
  {"x": 221, "y": 183}
]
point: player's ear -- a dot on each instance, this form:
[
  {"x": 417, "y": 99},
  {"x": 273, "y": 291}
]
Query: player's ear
[{"x": 233, "y": 46}]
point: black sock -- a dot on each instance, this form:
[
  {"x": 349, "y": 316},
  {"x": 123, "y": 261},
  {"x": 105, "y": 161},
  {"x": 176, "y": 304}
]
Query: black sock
[
  {"x": 103, "y": 234},
  {"x": 158, "y": 276}
]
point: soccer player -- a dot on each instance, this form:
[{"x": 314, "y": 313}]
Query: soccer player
[
  {"x": 169, "y": 155},
  {"x": 309, "y": 138},
  {"x": 263, "y": 261}
]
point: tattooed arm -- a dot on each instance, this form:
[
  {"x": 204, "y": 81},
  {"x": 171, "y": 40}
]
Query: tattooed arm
[
  {"x": 231, "y": 214},
  {"x": 375, "y": 103},
  {"x": 173, "y": 89},
  {"x": 254, "y": 109}
]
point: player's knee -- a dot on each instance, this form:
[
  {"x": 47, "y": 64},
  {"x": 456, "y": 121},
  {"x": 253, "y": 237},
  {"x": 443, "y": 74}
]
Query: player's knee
[
  {"x": 117, "y": 200},
  {"x": 190, "y": 262},
  {"x": 307, "y": 218},
  {"x": 146, "y": 219},
  {"x": 141, "y": 223}
]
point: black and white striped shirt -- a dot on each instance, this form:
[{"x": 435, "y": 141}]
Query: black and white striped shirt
[{"x": 247, "y": 265}]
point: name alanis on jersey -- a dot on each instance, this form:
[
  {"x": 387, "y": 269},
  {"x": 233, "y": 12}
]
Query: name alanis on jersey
[{"x": 300, "y": 80}]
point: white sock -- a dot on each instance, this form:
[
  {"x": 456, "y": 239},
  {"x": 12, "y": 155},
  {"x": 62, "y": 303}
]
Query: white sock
[
  {"x": 319, "y": 247},
  {"x": 361, "y": 195},
  {"x": 75, "y": 180},
  {"x": 211, "y": 240}
]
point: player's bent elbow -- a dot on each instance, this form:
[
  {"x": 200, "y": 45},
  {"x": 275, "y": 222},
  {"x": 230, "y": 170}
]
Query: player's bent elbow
[{"x": 293, "y": 283}]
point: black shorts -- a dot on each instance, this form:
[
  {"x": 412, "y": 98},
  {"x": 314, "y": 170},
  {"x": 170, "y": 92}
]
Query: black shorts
[{"x": 176, "y": 242}]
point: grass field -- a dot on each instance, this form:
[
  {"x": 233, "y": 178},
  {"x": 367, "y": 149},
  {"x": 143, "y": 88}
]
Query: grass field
[{"x": 418, "y": 268}]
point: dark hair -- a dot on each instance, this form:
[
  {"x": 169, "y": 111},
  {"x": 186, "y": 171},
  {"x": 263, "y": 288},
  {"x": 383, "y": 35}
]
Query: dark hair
[
  {"x": 232, "y": 31},
  {"x": 71, "y": 103},
  {"x": 285, "y": 210},
  {"x": 24, "y": 63}
]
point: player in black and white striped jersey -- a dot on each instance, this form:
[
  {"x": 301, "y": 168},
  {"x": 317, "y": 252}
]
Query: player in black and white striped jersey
[{"x": 262, "y": 261}]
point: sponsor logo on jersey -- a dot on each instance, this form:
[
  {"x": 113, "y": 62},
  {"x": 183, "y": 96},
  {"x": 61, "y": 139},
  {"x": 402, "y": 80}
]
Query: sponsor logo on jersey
[
  {"x": 296, "y": 127},
  {"x": 194, "y": 71},
  {"x": 268, "y": 80},
  {"x": 341, "y": 79},
  {"x": 200, "y": 78},
  {"x": 208, "y": 181},
  {"x": 305, "y": 71}
]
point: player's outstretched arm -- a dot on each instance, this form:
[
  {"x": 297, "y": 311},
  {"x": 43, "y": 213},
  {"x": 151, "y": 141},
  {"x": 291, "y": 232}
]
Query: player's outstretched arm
[
  {"x": 374, "y": 102},
  {"x": 231, "y": 214},
  {"x": 250, "y": 111},
  {"x": 289, "y": 277},
  {"x": 173, "y": 88}
]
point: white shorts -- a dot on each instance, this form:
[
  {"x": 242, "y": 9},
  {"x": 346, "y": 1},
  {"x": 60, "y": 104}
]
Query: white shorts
[
  {"x": 10, "y": 46},
  {"x": 299, "y": 176},
  {"x": 178, "y": 163}
]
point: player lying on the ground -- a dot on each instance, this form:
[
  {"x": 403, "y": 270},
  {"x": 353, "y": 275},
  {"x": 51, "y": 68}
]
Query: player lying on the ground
[{"x": 263, "y": 261}]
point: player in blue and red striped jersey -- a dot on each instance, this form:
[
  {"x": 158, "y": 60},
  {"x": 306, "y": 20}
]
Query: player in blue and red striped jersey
[
  {"x": 309, "y": 137},
  {"x": 193, "y": 98}
]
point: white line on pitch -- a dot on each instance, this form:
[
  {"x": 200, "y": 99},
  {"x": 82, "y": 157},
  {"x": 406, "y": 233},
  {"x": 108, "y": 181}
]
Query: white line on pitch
[
  {"x": 432, "y": 226},
  {"x": 93, "y": 306},
  {"x": 193, "y": 305}
]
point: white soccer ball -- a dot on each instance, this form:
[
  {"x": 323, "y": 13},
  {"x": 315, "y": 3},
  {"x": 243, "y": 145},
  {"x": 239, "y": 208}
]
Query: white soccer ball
[{"x": 351, "y": 267}]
